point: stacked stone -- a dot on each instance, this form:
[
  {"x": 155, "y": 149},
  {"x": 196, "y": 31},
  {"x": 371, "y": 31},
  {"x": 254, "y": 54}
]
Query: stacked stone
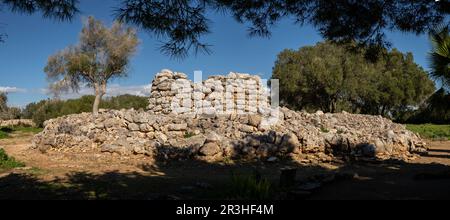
[
  {"x": 162, "y": 92},
  {"x": 235, "y": 93}
]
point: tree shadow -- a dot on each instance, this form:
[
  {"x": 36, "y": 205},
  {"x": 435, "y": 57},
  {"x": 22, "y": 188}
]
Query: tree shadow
[
  {"x": 197, "y": 178},
  {"x": 439, "y": 150}
]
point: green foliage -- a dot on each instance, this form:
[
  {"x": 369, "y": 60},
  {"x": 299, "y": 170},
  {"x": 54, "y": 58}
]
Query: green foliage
[
  {"x": 3, "y": 135},
  {"x": 440, "y": 55},
  {"x": 324, "y": 130},
  {"x": 7, "y": 113},
  {"x": 188, "y": 134},
  {"x": 26, "y": 129},
  {"x": 435, "y": 110},
  {"x": 7, "y": 162},
  {"x": 5, "y": 131},
  {"x": 431, "y": 131},
  {"x": 47, "y": 109},
  {"x": 249, "y": 187},
  {"x": 332, "y": 78}
]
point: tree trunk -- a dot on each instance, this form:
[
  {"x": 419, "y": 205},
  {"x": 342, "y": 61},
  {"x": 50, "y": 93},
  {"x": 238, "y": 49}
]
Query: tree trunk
[
  {"x": 98, "y": 98},
  {"x": 99, "y": 92}
]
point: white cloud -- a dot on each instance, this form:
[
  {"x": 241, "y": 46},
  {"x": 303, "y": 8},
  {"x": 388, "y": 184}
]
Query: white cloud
[
  {"x": 111, "y": 90},
  {"x": 9, "y": 89},
  {"x": 115, "y": 90}
]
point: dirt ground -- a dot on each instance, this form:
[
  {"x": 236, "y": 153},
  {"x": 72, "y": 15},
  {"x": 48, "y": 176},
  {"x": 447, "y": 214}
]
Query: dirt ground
[{"x": 61, "y": 175}]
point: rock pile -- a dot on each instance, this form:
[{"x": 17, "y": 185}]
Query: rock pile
[{"x": 269, "y": 134}]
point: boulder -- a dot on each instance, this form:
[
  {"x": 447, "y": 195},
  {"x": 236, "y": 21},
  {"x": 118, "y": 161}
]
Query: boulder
[
  {"x": 209, "y": 149},
  {"x": 289, "y": 143},
  {"x": 133, "y": 127},
  {"x": 213, "y": 137}
]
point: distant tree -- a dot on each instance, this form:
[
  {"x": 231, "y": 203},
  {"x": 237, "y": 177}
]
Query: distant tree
[
  {"x": 56, "y": 9},
  {"x": 101, "y": 55},
  {"x": 320, "y": 77},
  {"x": 3, "y": 102},
  {"x": 48, "y": 109},
  {"x": 7, "y": 113},
  {"x": 398, "y": 86},
  {"x": 331, "y": 78},
  {"x": 440, "y": 55}
]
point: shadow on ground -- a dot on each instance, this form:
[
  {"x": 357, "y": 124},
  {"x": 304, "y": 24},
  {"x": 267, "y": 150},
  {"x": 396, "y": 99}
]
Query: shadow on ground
[{"x": 201, "y": 180}]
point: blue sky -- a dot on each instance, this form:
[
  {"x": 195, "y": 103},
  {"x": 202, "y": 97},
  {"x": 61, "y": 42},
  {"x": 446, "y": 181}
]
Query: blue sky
[{"x": 31, "y": 39}]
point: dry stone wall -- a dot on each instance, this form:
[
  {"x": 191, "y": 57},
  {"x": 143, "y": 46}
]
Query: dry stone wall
[
  {"x": 236, "y": 93},
  {"x": 17, "y": 122}
]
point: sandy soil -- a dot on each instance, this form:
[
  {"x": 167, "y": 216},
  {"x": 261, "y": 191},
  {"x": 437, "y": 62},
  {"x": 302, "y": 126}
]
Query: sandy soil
[{"x": 62, "y": 175}]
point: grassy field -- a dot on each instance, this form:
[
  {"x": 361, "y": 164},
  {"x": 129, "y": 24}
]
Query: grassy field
[
  {"x": 6, "y": 131},
  {"x": 431, "y": 131},
  {"x": 7, "y": 162}
]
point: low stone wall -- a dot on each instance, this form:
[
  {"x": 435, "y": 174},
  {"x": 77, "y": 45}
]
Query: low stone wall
[
  {"x": 17, "y": 122},
  {"x": 300, "y": 136}
]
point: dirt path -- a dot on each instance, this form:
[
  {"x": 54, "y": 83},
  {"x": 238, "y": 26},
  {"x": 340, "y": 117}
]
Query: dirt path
[
  {"x": 425, "y": 178},
  {"x": 99, "y": 175}
]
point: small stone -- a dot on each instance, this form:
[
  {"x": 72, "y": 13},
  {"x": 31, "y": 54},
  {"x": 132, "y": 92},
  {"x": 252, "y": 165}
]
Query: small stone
[
  {"x": 213, "y": 137},
  {"x": 133, "y": 127},
  {"x": 254, "y": 120},
  {"x": 162, "y": 138},
  {"x": 272, "y": 159},
  {"x": 177, "y": 127}
]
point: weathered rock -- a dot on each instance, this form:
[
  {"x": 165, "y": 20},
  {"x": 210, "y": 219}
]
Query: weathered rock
[
  {"x": 289, "y": 143},
  {"x": 133, "y": 127},
  {"x": 254, "y": 120},
  {"x": 162, "y": 138},
  {"x": 210, "y": 149},
  {"x": 213, "y": 137}
]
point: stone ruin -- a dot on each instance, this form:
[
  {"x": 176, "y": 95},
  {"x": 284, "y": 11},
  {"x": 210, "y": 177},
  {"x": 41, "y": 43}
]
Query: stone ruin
[
  {"x": 235, "y": 93},
  {"x": 195, "y": 121}
]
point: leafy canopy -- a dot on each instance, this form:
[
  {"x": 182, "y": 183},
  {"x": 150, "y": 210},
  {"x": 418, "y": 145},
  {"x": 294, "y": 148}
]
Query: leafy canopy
[
  {"x": 440, "y": 55},
  {"x": 331, "y": 78}
]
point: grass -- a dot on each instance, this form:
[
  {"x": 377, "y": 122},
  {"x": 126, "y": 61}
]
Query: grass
[
  {"x": 188, "y": 135},
  {"x": 323, "y": 129},
  {"x": 6, "y": 131},
  {"x": 3, "y": 134},
  {"x": 431, "y": 131},
  {"x": 249, "y": 187},
  {"x": 7, "y": 162}
]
